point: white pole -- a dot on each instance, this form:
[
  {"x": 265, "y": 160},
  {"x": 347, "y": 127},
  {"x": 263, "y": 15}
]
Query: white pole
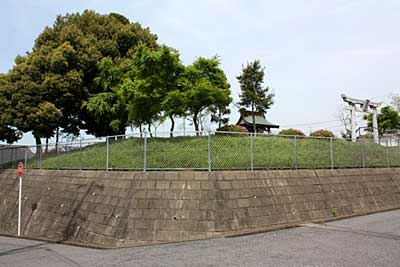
[
  {"x": 375, "y": 125},
  {"x": 19, "y": 205},
  {"x": 353, "y": 123}
]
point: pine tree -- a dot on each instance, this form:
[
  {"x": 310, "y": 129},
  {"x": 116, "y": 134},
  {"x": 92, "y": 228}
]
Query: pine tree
[{"x": 253, "y": 94}]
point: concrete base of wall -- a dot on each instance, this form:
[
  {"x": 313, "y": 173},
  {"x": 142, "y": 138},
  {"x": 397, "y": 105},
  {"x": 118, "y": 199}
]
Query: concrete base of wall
[{"x": 114, "y": 209}]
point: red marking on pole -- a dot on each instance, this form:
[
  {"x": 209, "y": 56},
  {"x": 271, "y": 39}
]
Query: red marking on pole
[{"x": 20, "y": 168}]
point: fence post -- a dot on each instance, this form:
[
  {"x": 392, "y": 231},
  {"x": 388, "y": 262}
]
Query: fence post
[
  {"x": 12, "y": 156},
  {"x": 398, "y": 150},
  {"x": 58, "y": 156},
  {"x": 363, "y": 152},
  {"x": 387, "y": 154},
  {"x": 331, "y": 146},
  {"x": 80, "y": 153},
  {"x": 108, "y": 153},
  {"x": 145, "y": 151},
  {"x": 251, "y": 151},
  {"x": 26, "y": 158},
  {"x": 295, "y": 152},
  {"x": 209, "y": 151},
  {"x": 40, "y": 156}
]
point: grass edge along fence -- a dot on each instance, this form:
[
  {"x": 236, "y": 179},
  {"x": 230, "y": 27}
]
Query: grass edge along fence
[{"x": 205, "y": 151}]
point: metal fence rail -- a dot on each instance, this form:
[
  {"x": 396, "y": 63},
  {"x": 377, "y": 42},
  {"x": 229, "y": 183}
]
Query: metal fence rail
[{"x": 205, "y": 151}]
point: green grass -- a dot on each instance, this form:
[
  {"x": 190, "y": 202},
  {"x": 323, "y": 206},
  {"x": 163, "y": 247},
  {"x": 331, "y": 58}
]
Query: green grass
[{"x": 227, "y": 152}]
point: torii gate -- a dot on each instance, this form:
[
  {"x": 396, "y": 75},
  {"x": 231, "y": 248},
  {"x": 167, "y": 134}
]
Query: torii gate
[{"x": 358, "y": 105}]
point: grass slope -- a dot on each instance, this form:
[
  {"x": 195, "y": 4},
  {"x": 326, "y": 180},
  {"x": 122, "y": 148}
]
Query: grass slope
[{"x": 227, "y": 152}]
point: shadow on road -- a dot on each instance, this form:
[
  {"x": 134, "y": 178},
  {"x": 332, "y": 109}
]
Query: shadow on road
[{"x": 21, "y": 250}]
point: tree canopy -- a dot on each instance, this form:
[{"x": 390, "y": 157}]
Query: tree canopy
[
  {"x": 106, "y": 108},
  {"x": 388, "y": 119},
  {"x": 102, "y": 73},
  {"x": 8, "y": 133},
  {"x": 64, "y": 67},
  {"x": 206, "y": 88},
  {"x": 253, "y": 94},
  {"x": 152, "y": 84}
]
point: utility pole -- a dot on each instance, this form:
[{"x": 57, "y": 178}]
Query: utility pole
[{"x": 365, "y": 106}]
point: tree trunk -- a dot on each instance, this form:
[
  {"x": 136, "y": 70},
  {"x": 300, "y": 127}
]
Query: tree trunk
[
  {"x": 196, "y": 123},
  {"x": 219, "y": 119},
  {"x": 254, "y": 119},
  {"x": 149, "y": 128},
  {"x": 140, "y": 130},
  {"x": 171, "y": 134},
  {"x": 201, "y": 125},
  {"x": 38, "y": 145},
  {"x": 47, "y": 146}
]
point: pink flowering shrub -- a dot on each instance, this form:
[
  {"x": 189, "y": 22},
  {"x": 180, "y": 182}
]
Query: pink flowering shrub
[
  {"x": 322, "y": 133},
  {"x": 292, "y": 131},
  {"x": 232, "y": 128}
]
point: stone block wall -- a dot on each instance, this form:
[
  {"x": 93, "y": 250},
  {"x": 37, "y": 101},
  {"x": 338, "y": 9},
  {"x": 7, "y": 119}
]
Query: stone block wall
[{"x": 114, "y": 209}]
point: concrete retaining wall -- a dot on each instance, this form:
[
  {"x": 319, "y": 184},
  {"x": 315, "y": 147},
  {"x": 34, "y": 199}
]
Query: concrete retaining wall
[{"x": 132, "y": 208}]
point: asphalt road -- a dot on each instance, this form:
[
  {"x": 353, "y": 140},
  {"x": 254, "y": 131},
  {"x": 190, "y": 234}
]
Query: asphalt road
[{"x": 372, "y": 240}]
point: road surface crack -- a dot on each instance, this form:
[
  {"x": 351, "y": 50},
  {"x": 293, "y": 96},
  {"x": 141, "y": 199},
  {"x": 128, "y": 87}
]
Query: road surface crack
[{"x": 349, "y": 230}]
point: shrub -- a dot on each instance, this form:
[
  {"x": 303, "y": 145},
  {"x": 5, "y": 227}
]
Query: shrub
[
  {"x": 322, "y": 133},
  {"x": 232, "y": 128},
  {"x": 292, "y": 131},
  {"x": 366, "y": 136}
]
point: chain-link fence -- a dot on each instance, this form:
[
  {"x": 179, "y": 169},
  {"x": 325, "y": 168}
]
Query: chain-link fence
[{"x": 205, "y": 151}]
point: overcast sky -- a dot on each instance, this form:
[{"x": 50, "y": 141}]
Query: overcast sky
[{"x": 312, "y": 50}]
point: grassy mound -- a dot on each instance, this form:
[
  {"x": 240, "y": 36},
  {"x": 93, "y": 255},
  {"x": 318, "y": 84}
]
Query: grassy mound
[{"x": 227, "y": 152}]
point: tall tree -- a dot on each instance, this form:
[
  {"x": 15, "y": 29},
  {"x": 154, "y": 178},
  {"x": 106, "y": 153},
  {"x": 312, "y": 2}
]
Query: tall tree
[
  {"x": 8, "y": 132},
  {"x": 220, "y": 115},
  {"x": 388, "y": 119},
  {"x": 46, "y": 119},
  {"x": 153, "y": 85},
  {"x": 253, "y": 94},
  {"x": 174, "y": 105},
  {"x": 107, "y": 108},
  {"x": 63, "y": 65},
  {"x": 206, "y": 88}
]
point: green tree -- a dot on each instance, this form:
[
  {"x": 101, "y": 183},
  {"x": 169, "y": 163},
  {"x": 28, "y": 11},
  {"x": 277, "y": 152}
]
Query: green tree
[
  {"x": 253, "y": 94},
  {"x": 153, "y": 86},
  {"x": 8, "y": 133},
  {"x": 174, "y": 105},
  {"x": 25, "y": 96},
  {"x": 220, "y": 116},
  {"x": 46, "y": 119},
  {"x": 206, "y": 88},
  {"x": 63, "y": 66},
  {"x": 388, "y": 119},
  {"x": 107, "y": 108}
]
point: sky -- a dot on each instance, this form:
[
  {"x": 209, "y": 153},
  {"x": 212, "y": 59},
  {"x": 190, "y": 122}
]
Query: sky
[{"x": 312, "y": 51}]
